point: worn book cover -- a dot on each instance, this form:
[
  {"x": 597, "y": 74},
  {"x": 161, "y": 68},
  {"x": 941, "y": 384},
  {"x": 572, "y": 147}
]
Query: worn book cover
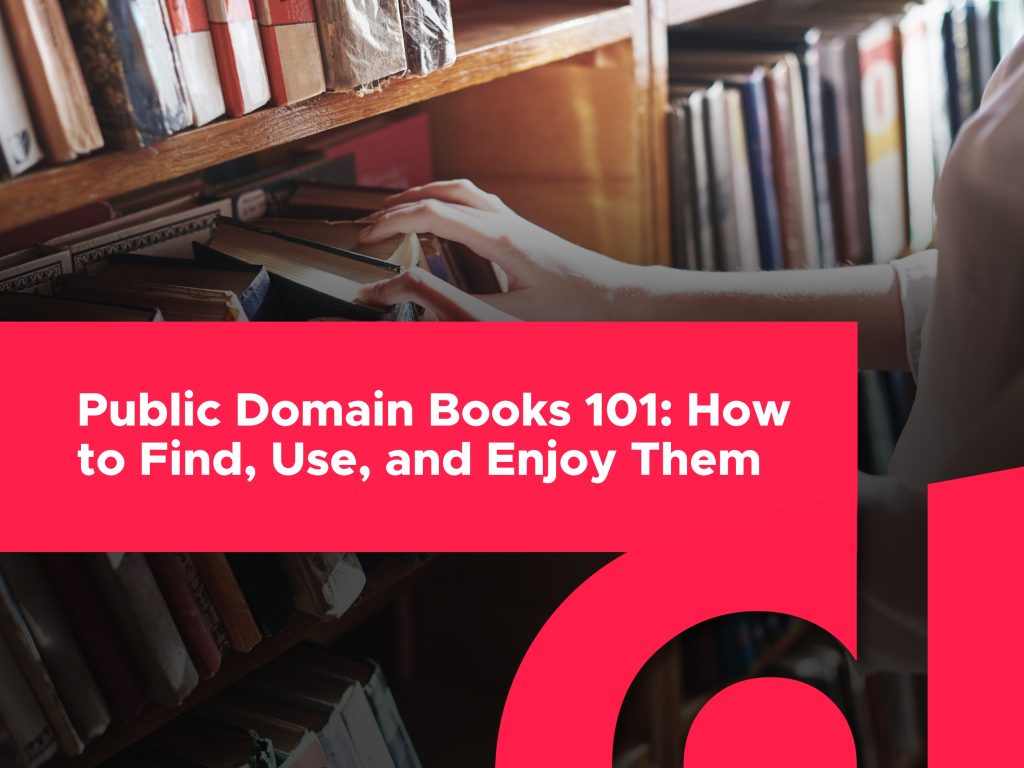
[
  {"x": 362, "y": 42},
  {"x": 59, "y": 101},
  {"x": 20, "y": 712},
  {"x": 227, "y": 598},
  {"x": 190, "y": 24},
  {"x": 131, "y": 66},
  {"x": 429, "y": 35},
  {"x": 240, "y": 63},
  {"x": 324, "y": 583},
  {"x": 33, "y": 270},
  {"x": 291, "y": 49}
]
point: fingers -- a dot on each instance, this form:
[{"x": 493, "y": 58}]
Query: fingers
[
  {"x": 460, "y": 192},
  {"x": 447, "y": 221},
  {"x": 446, "y": 301}
]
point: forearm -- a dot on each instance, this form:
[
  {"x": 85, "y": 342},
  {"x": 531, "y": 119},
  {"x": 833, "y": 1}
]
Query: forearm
[{"x": 868, "y": 296}]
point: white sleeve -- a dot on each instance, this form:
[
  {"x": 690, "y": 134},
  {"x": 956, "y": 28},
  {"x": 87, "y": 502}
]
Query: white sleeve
[{"x": 916, "y": 275}]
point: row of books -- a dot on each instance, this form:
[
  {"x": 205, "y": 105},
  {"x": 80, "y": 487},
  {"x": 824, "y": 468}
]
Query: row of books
[
  {"x": 87, "y": 641},
  {"x": 85, "y": 74},
  {"x": 813, "y": 136},
  {"x": 276, "y": 243}
]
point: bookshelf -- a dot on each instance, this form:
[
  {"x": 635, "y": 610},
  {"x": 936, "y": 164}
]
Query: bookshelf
[{"x": 390, "y": 580}]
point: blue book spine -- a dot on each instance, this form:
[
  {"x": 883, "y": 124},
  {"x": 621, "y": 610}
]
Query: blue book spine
[{"x": 762, "y": 173}]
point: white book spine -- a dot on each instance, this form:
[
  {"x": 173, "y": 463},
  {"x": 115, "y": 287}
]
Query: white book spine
[{"x": 18, "y": 144}]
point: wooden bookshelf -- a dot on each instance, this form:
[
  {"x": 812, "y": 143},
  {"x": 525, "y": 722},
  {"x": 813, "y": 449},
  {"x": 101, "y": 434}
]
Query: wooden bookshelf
[
  {"x": 492, "y": 42},
  {"x": 391, "y": 579},
  {"x": 684, "y": 11}
]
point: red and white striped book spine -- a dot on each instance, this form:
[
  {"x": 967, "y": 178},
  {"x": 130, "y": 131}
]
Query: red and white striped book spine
[
  {"x": 190, "y": 24},
  {"x": 236, "y": 44},
  {"x": 291, "y": 47}
]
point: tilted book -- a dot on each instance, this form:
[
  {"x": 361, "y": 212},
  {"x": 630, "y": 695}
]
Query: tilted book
[
  {"x": 21, "y": 714},
  {"x": 240, "y": 63},
  {"x": 19, "y": 149},
  {"x": 57, "y": 95},
  {"x": 362, "y": 42},
  {"x": 228, "y": 599},
  {"x": 324, "y": 584},
  {"x": 131, "y": 66},
  {"x": 291, "y": 49},
  {"x": 190, "y": 25}
]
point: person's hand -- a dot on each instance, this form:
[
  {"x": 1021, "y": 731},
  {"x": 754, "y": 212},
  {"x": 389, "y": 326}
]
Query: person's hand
[{"x": 549, "y": 278}]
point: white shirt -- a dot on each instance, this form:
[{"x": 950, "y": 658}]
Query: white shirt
[{"x": 963, "y": 309}]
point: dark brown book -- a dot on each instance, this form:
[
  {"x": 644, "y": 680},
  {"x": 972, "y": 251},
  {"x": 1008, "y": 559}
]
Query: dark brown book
[
  {"x": 228, "y": 599},
  {"x": 177, "y": 303},
  {"x": 199, "y": 743},
  {"x": 30, "y": 307},
  {"x": 64, "y": 118},
  {"x": 187, "y": 617},
  {"x": 104, "y": 647}
]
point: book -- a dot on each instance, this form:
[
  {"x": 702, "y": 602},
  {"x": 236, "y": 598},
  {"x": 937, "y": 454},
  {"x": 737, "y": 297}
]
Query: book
[
  {"x": 918, "y": 141},
  {"x": 685, "y": 252},
  {"x": 20, "y": 713},
  {"x": 344, "y": 695},
  {"x": 193, "y": 41},
  {"x": 879, "y": 51},
  {"x": 959, "y": 66},
  {"x": 144, "y": 618},
  {"x": 291, "y": 49},
  {"x": 104, "y": 648},
  {"x": 251, "y": 285},
  {"x": 29, "y": 236},
  {"x": 131, "y": 67},
  {"x": 239, "y": 53},
  {"x": 32, "y": 270},
  {"x": 265, "y": 588},
  {"x": 362, "y": 42},
  {"x": 28, "y": 307},
  {"x": 742, "y": 189},
  {"x": 58, "y": 648},
  {"x": 370, "y": 676},
  {"x": 19, "y": 148},
  {"x": 62, "y": 114},
  {"x": 11, "y": 754},
  {"x": 981, "y": 41},
  {"x": 177, "y": 303},
  {"x": 202, "y": 648},
  {"x": 429, "y": 35},
  {"x": 227, "y": 598},
  {"x": 202, "y": 597},
  {"x": 307, "y": 264},
  {"x": 405, "y": 251},
  {"x": 324, "y": 584},
  {"x": 20, "y": 641}
]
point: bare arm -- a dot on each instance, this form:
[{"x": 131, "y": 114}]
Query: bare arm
[{"x": 552, "y": 279}]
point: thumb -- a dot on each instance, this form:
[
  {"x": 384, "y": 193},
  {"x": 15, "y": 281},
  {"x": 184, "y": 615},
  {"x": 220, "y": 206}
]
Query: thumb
[{"x": 446, "y": 301}]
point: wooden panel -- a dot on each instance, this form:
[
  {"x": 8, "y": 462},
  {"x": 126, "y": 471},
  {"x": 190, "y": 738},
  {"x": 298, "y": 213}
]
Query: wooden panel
[
  {"x": 560, "y": 145},
  {"x": 682, "y": 11},
  {"x": 493, "y": 41}
]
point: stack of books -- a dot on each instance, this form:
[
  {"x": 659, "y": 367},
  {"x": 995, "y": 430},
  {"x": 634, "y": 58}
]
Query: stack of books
[
  {"x": 270, "y": 243},
  {"x": 81, "y": 75},
  {"x": 813, "y": 136},
  {"x": 87, "y": 642}
]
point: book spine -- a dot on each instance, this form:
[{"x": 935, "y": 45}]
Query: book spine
[
  {"x": 762, "y": 175},
  {"x": 134, "y": 598},
  {"x": 743, "y": 195},
  {"x": 57, "y": 646},
  {"x": 819, "y": 149},
  {"x": 703, "y": 188},
  {"x": 19, "y": 149},
  {"x": 291, "y": 49},
  {"x": 784, "y": 157},
  {"x": 11, "y": 754},
  {"x": 202, "y": 648},
  {"x": 883, "y": 142},
  {"x": 190, "y": 24},
  {"x": 429, "y": 35},
  {"x": 229, "y": 601},
  {"x": 958, "y": 67},
  {"x": 104, "y": 647},
  {"x": 684, "y": 239},
  {"x": 236, "y": 45},
  {"x": 265, "y": 588},
  {"x": 802, "y": 140},
  {"x": 20, "y": 641},
  {"x": 919, "y": 142},
  {"x": 21, "y": 714},
  {"x": 204, "y": 601}
]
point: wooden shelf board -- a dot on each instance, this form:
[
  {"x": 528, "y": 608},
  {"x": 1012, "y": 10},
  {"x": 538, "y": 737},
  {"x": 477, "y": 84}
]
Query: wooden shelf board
[
  {"x": 492, "y": 42},
  {"x": 683, "y": 11},
  {"x": 388, "y": 580}
]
